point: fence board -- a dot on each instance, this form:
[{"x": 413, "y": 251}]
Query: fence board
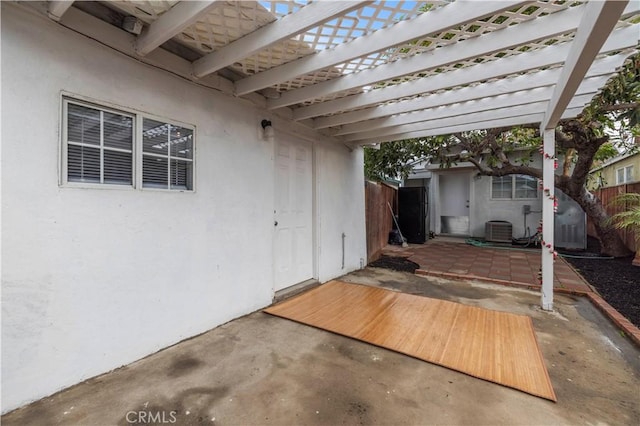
[
  {"x": 606, "y": 196},
  {"x": 378, "y": 217}
]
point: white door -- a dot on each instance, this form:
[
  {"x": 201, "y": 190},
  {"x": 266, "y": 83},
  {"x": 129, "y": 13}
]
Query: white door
[
  {"x": 293, "y": 245},
  {"x": 454, "y": 203}
]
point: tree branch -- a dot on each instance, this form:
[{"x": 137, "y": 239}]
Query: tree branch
[
  {"x": 618, "y": 107},
  {"x": 479, "y": 166},
  {"x": 509, "y": 169}
]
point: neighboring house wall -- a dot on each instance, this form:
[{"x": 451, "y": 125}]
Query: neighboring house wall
[
  {"x": 93, "y": 279},
  {"x": 607, "y": 176},
  {"x": 486, "y": 208},
  {"x": 483, "y": 207},
  {"x": 449, "y": 190}
]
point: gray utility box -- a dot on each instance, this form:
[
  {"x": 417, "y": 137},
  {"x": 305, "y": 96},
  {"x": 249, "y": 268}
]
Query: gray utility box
[
  {"x": 570, "y": 229},
  {"x": 498, "y": 231}
]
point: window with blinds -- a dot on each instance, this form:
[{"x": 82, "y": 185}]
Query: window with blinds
[
  {"x": 102, "y": 146},
  {"x": 99, "y": 145},
  {"x": 501, "y": 187},
  {"x": 167, "y": 156},
  {"x": 514, "y": 187}
]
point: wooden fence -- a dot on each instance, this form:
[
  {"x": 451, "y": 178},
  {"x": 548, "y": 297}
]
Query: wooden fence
[
  {"x": 606, "y": 195},
  {"x": 378, "y": 217}
]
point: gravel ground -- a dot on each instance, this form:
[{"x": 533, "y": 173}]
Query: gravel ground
[
  {"x": 395, "y": 263},
  {"x": 617, "y": 280}
]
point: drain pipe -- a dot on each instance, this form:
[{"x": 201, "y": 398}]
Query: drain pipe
[{"x": 343, "y": 237}]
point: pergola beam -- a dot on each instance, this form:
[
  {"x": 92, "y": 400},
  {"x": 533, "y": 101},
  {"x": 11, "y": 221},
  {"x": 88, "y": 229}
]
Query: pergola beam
[
  {"x": 450, "y": 121},
  {"x": 435, "y": 21},
  {"x": 354, "y": 120},
  {"x": 172, "y": 23},
  {"x": 624, "y": 38},
  {"x": 479, "y": 115},
  {"x": 510, "y": 37},
  {"x": 307, "y": 17},
  {"x": 509, "y": 121},
  {"x": 446, "y": 130},
  {"x": 599, "y": 20},
  {"x": 589, "y": 87},
  {"x": 55, "y": 9},
  {"x": 505, "y": 86}
]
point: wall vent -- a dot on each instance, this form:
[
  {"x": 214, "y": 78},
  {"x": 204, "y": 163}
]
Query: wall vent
[{"x": 498, "y": 231}]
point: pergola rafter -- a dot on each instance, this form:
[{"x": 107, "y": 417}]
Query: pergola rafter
[
  {"x": 503, "y": 39},
  {"x": 57, "y": 8},
  {"x": 621, "y": 39},
  {"x": 363, "y": 118},
  {"x": 289, "y": 26},
  {"x": 171, "y": 23},
  {"x": 478, "y": 113},
  {"x": 403, "y": 32},
  {"x": 525, "y": 98}
]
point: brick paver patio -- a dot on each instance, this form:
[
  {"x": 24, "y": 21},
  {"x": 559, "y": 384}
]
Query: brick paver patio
[
  {"x": 513, "y": 266},
  {"x": 518, "y": 266}
]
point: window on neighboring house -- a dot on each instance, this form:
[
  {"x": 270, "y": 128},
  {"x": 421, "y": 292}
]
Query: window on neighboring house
[
  {"x": 526, "y": 186},
  {"x": 514, "y": 187},
  {"x": 101, "y": 146},
  {"x": 624, "y": 175},
  {"x": 501, "y": 187}
]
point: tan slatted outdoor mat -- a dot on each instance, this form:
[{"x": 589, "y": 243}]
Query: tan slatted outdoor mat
[{"x": 491, "y": 345}]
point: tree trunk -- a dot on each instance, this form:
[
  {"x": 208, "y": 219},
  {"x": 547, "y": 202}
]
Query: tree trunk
[{"x": 610, "y": 242}]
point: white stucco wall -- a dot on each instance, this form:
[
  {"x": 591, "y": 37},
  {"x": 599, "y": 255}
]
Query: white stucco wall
[
  {"x": 340, "y": 194},
  {"x": 93, "y": 279}
]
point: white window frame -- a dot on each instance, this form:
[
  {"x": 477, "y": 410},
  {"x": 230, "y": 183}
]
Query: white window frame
[
  {"x": 625, "y": 175},
  {"x": 140, "y": 153},
  {"x": 513, "y": 190},
  {"x": 64, "y": 173},
  {"x": 137, "y": 150}
]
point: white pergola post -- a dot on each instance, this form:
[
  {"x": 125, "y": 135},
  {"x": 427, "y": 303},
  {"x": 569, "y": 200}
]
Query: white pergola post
[
  {"x": 548, "y": 210},
  {"x": 598, "y": 22},
  {"x": 57, "y": 8}
]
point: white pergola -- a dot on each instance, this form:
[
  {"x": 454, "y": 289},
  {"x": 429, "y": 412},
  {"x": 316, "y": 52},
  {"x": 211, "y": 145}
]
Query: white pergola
[{"x": 367, "y": 72}]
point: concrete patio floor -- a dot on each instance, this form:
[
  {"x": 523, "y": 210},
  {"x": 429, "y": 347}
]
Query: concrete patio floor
[{"x": 260, "y": 369}]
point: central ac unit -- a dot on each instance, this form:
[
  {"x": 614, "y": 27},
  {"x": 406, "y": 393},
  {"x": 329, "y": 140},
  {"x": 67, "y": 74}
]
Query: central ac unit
[{"x": 499, "y": 231}]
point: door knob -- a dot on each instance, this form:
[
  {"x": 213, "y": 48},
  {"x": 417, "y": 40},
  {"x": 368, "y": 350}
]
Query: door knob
[{"x": 275, "y": 223}]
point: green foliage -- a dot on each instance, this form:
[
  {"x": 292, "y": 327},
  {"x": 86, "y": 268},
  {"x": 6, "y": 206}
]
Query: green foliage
[
  {"x": 605, "y": 152},
  {"x": 617, "y": 102},
  {"x": 393, "y": 160}
]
